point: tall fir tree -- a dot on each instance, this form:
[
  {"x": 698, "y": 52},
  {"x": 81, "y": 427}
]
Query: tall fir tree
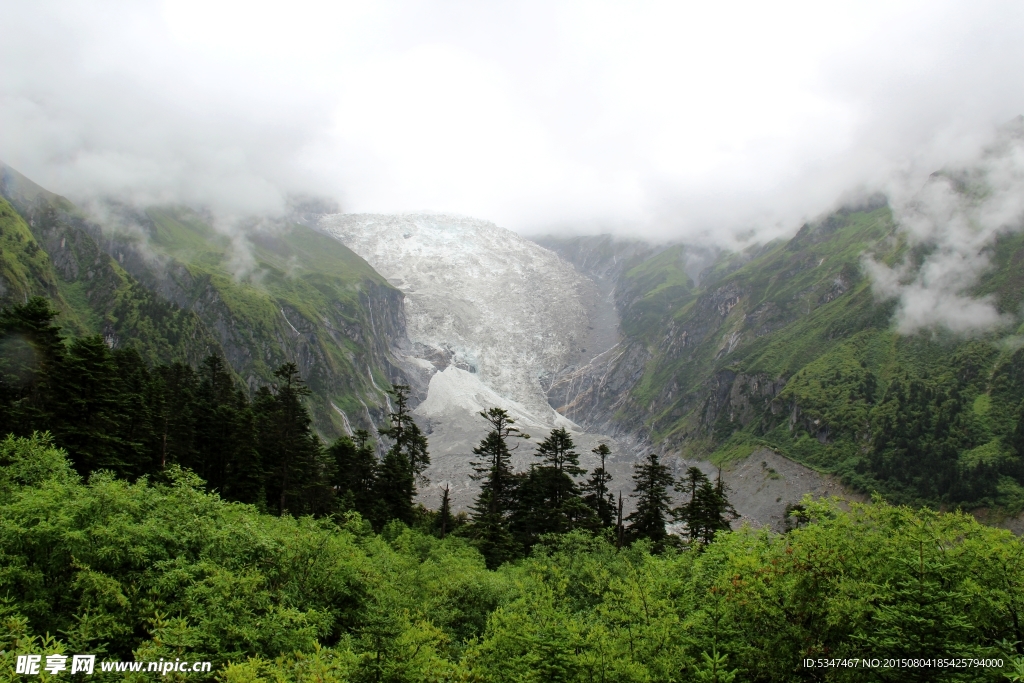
[
  {"x": 89, "y": 408},
  {"x": 175, "y": 388},
  {"x": 355, "y": 474},
  {"x": 445, "y": 521},
  {"x": 707, "y": 511},
  {"x": 137, "y": 421},
  {"x": 651, "y": 481},
  {"x": 32, "y": 354},
  {"x": 496, "y": 500},
  {"x": 226, "y": 453},
  {"x": 548, "y": 497},
  {"x": 291, "y": 452},
  {"x": 403, "y": 462},
  {"x": 596, "y": 492}
]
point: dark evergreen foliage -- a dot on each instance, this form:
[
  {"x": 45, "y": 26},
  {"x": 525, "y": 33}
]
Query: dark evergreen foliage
[
  {"x": 402, "y": 463},
  {"x": 111, "y": 411},
  {"x": 707, "y": 511},
  {"x": 492, "y": 510},
  {"x": 651, "y": 481},
  {"x": 292, "y": 454},
  {"x": 596, "y": 493},
  {"x": 445, "y": 521},
  {"x": 355, "y": 474},
  {"x": 548, "y": 498}
]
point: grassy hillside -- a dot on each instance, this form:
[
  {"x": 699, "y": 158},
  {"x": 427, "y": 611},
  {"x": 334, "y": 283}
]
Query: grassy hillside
[
  {"x": 788, "y": 346},
  {"x": 25, "y": 269},
  {"x": 167, "y": 282},
  {"x": 50, "y": 249},
  {"x": 277, "y": 292}
]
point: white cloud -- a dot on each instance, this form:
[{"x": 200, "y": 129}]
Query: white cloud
[
  {"x": 955, "y": 219},
  {"x": 663, "y": 118}
]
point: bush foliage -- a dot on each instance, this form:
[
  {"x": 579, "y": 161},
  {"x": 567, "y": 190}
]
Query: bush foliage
[{"x": 165, "y": 569}]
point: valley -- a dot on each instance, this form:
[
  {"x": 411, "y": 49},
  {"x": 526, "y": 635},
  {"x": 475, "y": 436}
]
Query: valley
[{"x": 700, "y": 354}]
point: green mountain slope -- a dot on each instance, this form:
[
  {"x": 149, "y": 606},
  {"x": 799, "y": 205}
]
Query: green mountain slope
[
  {"x": 50, "y": 249},
  {"x": 25, "y": 269},
  {"x": 788, "y": 346},
  {"x": 277, "y": 292},
  {"x": 166, "y": 281}
]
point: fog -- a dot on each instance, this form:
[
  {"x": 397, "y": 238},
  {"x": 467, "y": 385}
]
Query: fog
[
  {"x": 954, "y": 220},
  {"x": 715, "y": 122}
]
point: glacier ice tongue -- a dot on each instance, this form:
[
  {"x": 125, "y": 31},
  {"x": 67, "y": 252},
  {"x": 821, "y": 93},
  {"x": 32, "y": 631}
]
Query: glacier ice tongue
[
  {"x": 489, "y": 314},
  {"x": 505, "y": 308}
]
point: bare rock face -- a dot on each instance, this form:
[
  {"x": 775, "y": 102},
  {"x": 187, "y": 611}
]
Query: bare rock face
[{"x": 490, "y": 318}]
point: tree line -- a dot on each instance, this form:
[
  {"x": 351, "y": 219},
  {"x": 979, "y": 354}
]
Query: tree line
[
  {"x": 515, "y": 511},
  {"x": 110, "y": 411}
]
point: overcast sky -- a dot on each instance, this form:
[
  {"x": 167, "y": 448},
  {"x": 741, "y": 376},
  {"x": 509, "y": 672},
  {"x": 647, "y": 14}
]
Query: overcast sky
[{"x": 665, "y": 119}]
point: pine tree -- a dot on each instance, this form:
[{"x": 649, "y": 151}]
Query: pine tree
[
  {"x": 88, "y": 407},
  {"x": 708, "y": 510},
  {"x": 291, "y": 452},
  {"x": 225, "y": 446},
  {"x": 355, "y": 474},
  {"x": 403, "y": 463},
  {"x": 174, "y": 414},
  {"x": 444, "y": 516},
  {"x": 548, "y": 498},
  {"x": 496, "y": 500},
  {"x": 597, "y": 495},
  {"x": 245, "y": 478},
  {"x": 31, "y": 356},
  {"x": 651, "y": 481},
  {"x": 620, "y": 527},
  {"x": 137, "y": 420}
]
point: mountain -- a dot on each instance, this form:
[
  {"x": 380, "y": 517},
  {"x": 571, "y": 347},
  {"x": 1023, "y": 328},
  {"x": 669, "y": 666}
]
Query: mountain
[
  {"x": 167, "y": 281},
  {"x": 794, "y": 348},
  {"x": 50, "y": 249},
  {"x": 788, "y": 346}
]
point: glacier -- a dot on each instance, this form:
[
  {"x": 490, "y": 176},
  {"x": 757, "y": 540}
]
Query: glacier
[{"x": 489, "y": 316}]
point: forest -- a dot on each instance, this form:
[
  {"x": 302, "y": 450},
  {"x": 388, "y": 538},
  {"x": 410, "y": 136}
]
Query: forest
[{"x": 167, "y": 511}]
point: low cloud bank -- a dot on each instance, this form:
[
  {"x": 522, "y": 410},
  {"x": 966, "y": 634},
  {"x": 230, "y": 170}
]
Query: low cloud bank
[{"x": 954, "y": 221}]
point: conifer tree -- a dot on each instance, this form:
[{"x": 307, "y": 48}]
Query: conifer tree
[
  {"x": 403, "y": 463},
  {"x": 651, "y": 481},
  {"x": 89, "y": 407},
  {"x": 495, "y": 502},
  {"x": 31, "y": 356},
  {"x": 355, "y": 474},
  {"x": 290, "y": 450},
  {"x": 597, "y": 495},
  {"x": 226, "y": 454},
  {"x": 175, "y": 388},
  {"x": 548, "y": 498},
  {"x": 708, "y": 510},
  {"x": 137, "y": 420},
  {"x": 444, "y": 516},
  {"x": 215, "y": 422}
]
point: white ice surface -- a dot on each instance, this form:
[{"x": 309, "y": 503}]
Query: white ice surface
[
  {"x": 507, "y": 310},
  {"x": 506, "y": 307}
]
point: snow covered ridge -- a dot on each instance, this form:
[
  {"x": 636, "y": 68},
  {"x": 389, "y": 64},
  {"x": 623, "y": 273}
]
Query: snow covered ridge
[{"x": 488, "y": 306}]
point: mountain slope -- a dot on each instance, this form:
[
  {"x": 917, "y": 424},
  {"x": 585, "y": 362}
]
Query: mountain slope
[
  {"x": 789, "y": 347},
  {"x": 94, "y": 294},
  {"x": 165, "y": 280},
  {"x": 273, "y": 292}
]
